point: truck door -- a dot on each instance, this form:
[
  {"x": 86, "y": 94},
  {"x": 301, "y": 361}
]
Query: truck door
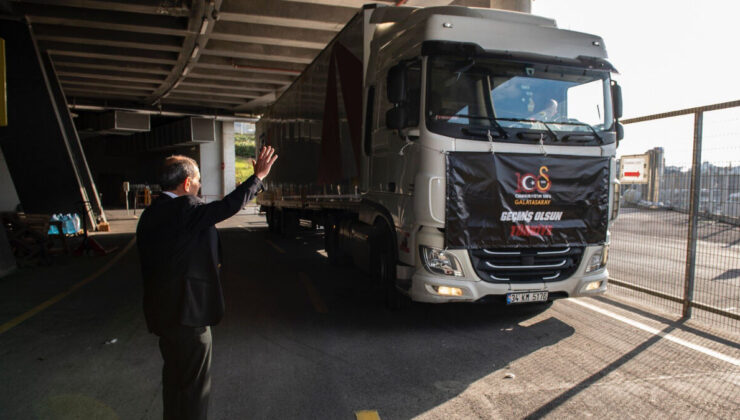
[{"x": 389, "y": 171}]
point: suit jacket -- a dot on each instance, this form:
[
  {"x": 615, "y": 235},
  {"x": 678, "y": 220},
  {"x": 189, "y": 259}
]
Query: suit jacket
[{"x": 180, "y": 257}]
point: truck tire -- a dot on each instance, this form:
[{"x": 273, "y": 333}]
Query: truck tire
[
  {"x": 289, "y": 223},
  {"x": 276, "y": 220},
  {"x": 337, "y": 256},
  {"x": 270, "y": 217}
]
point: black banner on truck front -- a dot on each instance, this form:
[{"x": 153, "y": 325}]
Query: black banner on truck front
[{"x": 525, "y": 200}]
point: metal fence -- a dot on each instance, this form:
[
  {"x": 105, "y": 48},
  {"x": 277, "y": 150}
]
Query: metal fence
[{"x": 676, "y": 243}]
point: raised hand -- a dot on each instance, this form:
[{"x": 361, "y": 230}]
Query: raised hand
[{"x": 264, "y": 162}]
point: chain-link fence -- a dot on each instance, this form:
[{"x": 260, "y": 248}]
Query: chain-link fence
[{"x": 676, "y": 243}]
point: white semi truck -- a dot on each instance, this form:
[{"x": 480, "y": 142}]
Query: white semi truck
[{"x": 457, "y": 154}]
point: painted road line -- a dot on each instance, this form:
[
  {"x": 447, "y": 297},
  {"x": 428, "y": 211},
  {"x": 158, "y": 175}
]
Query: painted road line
[
  {"x": 280, "y": 250},
  {"x": 367, "y": 415},
  {"x": 313, "y": 294},
  {"x": 655, "y": 331},
  {"x": 17, "y": 320}
]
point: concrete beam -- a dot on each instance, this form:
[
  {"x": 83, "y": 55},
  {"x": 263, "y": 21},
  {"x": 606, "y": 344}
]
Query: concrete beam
[
  {"x": 133, "y": 54},
  {"x": 150, "y": 9},
  {"x": 246, "y": 39},
  {"x": 102, "y": 93},
  {"x": 287, "y": 14},
  {"x": 258, "y": 103},
  {"x": 107, "y": 37},
  {"x": 107, "y": 43},
  {"x": 70, "y": 64},
  {"x": 259, "y": 57},
  {"x": 315, "y": 13},
  {"x": 524, "y": 6},
  {"x": 285, "y": 22},
  {"x": 116, "y": 76},
  {"x": 214, "y": 93},
  {"x": 351, "y": 4},
  {"x": 74, "y": 84},
  {"x": 198, "y": 98},
  {"x": 248, "y": 87},
  {"x": 428, "y": 3},
  {"x": 102, "y": 82},
  {"x": 106, "y": 20},
  {"x": 239, "y": 77},
  {"x": 199, "y": 102},
  {"x": 295, "y": 37},
  {"x": 171, "y": 110},
  {"x": 235, "y": 64},
  {"x": 114, "y": 57}
]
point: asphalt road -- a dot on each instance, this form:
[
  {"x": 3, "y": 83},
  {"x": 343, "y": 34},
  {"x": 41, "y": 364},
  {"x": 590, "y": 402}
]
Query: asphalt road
[{"x": 303, "y": 339}]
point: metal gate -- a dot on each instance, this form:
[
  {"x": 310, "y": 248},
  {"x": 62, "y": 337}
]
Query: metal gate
[{"x": 676, "y": 243}]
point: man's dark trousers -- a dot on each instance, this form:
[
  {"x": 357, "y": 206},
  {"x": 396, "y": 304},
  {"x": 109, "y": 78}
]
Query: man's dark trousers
[{"x": 186, "y": 377}]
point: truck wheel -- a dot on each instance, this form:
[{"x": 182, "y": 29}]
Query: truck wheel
[
  {"x": 289, "y": 223},
  {"x": 270, "y": 217},
  {"x": 331, "y": 243},
  {"x": 385, "y": 267},
  {"x": 276, "y": 219}
]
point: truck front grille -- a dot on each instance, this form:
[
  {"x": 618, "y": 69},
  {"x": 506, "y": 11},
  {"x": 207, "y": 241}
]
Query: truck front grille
[{"x": 526, "y": 265}]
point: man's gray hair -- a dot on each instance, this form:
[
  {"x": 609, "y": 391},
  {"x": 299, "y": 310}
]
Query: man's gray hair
[{"x": 175, "y": 170}]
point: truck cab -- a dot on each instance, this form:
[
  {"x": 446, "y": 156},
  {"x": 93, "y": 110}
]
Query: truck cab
[{"x": 458, "y": 80}]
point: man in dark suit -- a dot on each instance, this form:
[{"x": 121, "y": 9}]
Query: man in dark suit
[{"x": 180, "y": 261}]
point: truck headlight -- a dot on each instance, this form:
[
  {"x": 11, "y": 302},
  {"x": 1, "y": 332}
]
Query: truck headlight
[
  {"x": 598, "y": 259},
  {"x": 438, "y": 261}
]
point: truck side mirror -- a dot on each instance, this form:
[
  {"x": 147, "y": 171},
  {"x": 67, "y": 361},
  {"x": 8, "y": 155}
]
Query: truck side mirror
[
  {"x": 617, "y": 100},
  {"x": 620, "y": 131},
  {"x": 397, "y": 84},
  {"x": 396, "y": 118}
]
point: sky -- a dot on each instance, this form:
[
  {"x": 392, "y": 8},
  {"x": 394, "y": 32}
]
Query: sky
[{"x": 670, "y": 55}]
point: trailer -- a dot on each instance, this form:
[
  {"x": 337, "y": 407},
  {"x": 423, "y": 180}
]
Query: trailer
[{"x": 457, "y": 154}]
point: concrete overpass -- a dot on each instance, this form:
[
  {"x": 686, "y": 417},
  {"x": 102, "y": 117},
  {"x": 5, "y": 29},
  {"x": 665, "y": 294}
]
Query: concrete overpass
[{"x": 145, "y": 79}]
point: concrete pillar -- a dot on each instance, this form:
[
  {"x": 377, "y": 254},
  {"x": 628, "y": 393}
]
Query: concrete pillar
[
  {"x": 211, "y": 175},
  {"x": 8, "y": 202},
  {"x": 217, "y": 162},
  {"x": 228, "y": 157},
  {"x": 524, "y": 6},
  {"x": 8, "y": 196}
]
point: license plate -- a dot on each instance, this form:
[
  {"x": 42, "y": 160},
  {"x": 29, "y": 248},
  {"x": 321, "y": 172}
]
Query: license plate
[{"x": 525, "y": 297}]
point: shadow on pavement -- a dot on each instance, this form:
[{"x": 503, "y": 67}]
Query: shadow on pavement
[{"x": 276, "y": 356}]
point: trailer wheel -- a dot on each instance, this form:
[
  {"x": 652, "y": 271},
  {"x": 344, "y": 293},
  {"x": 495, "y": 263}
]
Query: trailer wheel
[
  {"x": 289, "y": 223},
  {"x": 331, "y": 242},
  {"x": 270, "y": 217},
  {"x": 385, "y": 267},
  {"x": 275, "y": 221}
]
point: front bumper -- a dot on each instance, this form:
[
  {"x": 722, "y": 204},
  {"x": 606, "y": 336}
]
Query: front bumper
[{"x": 423, "y": 283}]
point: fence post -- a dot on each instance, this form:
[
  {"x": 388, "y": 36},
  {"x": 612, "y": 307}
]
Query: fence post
[{"x": 695, "y": 191}]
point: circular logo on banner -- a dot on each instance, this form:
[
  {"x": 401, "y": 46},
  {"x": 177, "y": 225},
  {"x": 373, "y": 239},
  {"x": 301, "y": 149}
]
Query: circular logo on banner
[{"x": 529, "y": 183}]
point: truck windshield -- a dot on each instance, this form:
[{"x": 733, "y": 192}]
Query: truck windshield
[{"x": 498, "y": 98}]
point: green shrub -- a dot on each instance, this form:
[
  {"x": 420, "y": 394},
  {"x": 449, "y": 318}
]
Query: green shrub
[
  {"x": 244, "y": 149},
  {"x": 244, "y": 137}
]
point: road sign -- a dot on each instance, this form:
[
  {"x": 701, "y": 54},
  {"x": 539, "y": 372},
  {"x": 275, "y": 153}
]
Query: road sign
[{"x": 634, "y": 169}]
